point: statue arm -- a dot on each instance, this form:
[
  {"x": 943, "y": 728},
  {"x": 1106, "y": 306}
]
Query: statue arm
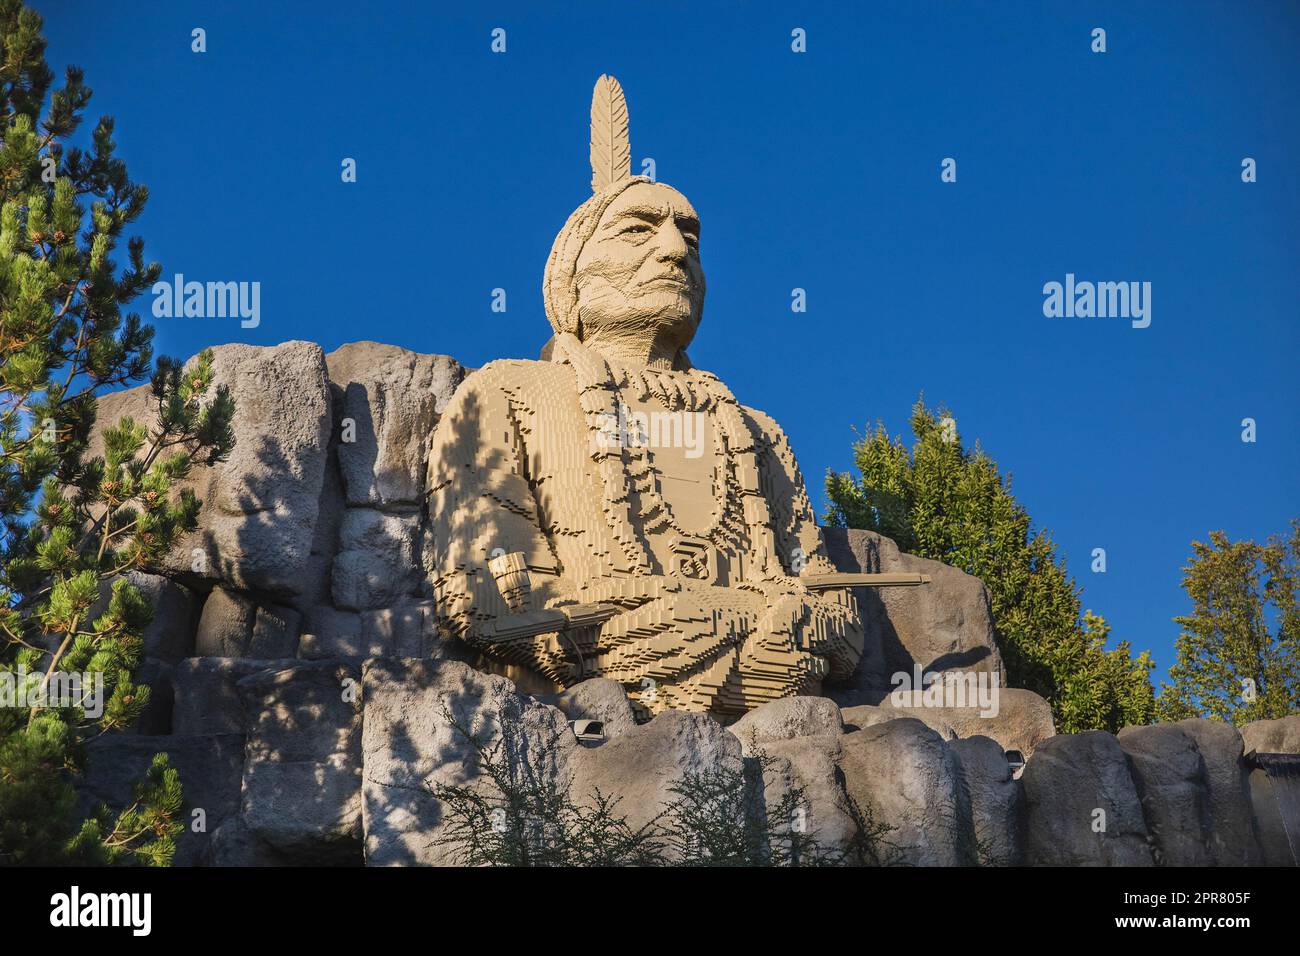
[
  {"x": 798, "y": 539},
  {"x": 481, "y": 506}
]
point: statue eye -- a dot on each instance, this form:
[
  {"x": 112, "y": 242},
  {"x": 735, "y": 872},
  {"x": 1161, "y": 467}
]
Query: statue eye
[{"x": 634, "y": 228}]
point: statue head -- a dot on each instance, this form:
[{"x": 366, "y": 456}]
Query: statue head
[{"x": 624, "y": 274}]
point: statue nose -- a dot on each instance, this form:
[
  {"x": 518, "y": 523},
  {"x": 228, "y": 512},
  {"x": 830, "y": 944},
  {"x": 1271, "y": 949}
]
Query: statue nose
[{"x": 672, "y": 244}]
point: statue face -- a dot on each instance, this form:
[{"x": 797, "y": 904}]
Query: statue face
[{"x": 639, "y": 274}]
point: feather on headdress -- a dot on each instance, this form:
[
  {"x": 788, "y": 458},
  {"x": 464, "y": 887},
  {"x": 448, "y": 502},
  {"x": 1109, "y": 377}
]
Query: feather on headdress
[{"x": 611, "y": 151}]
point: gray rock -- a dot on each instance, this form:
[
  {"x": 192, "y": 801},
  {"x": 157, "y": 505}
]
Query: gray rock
[
  {"x": 260, "y": 506},
  {"x": 1069, "y": 778},
  {"x": 233, "y": 844},
  {"x": 411, "y": 745},
  {"x": 332, "y": 634},
  {"x": 1171, "y": 783},
  {"x": 376, "y": 566},
  {"x": 393, "y": 398},
  {"x": 170, "y": 635},
  {"x": 867, "y": 715},
  {"x": 275, "y": 633},
  {"x": 206, "y": 698},
  {"x": 904, "y": 776},
  {"x": 809, "y": 768},
  {"x": 302, "y": 774},
  {"x": 1280, "y": 736},
  {"x": 1270, "y": 825},
  {"x": 225, "y": 625},
  {"x": 640, "y": 768},
  {"x": 1232, "y": 837},
  {"x": 156, "y": 718},
  {"x": 996, "y": 800},
  {"x": 941, "y": 626},
  {"x": 408, "y": 629},
  {"x": 209, "y": 767},
  {"x": 600, "y": 699},
  {"x": 1021, "y": 720},
  {"x": 787, "y": 718}
]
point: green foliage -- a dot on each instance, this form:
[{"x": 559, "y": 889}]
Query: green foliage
[
  {"x": 1230, "y": 666},
  {"x": 70, "y": 524},
  {"x": 941, "y": 501},
  {"x": 523, "y": 818},
  {"x": 514, "y": 816}
]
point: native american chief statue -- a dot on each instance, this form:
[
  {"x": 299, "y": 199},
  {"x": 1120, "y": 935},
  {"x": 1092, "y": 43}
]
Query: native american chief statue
[{"x": 614, "y": 511}]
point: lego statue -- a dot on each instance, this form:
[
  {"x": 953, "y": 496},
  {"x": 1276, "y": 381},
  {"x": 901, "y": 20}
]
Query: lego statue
[{"x": 614, "y": 511}]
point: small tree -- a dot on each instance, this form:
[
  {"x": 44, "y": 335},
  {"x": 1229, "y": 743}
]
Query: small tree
[
  {"x": 514, "y": 816},
  {"x": 940, "y": 501},
  {"x": 70, "y": 526},
  {"x": 1230, "y": 665}
]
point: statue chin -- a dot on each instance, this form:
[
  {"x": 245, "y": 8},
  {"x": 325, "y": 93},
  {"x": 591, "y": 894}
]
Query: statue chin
[{"x": 663, "y": 333}]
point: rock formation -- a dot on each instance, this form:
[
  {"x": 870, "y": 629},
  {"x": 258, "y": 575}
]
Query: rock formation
[{"x": 309, "y": 731}]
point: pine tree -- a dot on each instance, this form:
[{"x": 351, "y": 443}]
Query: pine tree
[
  {"x": 940, "y": 501},
  {"x": 1229, "y": 665},
  {"x": 70, "y": 526}
]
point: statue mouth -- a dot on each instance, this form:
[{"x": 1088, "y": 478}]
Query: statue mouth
[{"x": 678, "y": 283}]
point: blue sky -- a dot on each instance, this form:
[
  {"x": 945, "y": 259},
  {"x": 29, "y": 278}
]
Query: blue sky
[{"x": 817, "y": 170}]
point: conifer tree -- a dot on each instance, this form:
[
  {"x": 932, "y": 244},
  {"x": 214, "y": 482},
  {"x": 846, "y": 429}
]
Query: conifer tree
[
  {"x": 940, "y": 501},
  {"x": 1230, "y": 665},
  {"x": 70, "y": 526}
]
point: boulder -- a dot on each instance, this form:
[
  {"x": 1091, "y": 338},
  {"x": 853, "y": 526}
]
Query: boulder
[
  {"x": 599, "y": 699},
  {"x": 231, "y": 625},
  {"x": 418, "y": 714},
  {"x": 1017, "y": 719},
  {"x": 903, "y": 776},
  {"x": 408, "y": 629},
  {"x": 260, "y": 506},
  {"x": 209, "y": 767},
  {"x": 392, "y": 398},
  {"x": 225, "y": 625},
  {"x": 1275, "y": 843},
  {"x": 206, "y": 696},
  {"x": 1280, "y": 736},
  {"x": 808, "y": 768},
  {"x": 787, "y": 718},
  {"x": 641, "y": 768},
  {"x": 328, "y": 634},
  {"x": 996, "y": 800},
  {"x": 1232, "y": 837},
  {"x": 868, "y": 715},
  {"x": 233, "y": 844},
  {"x": 941, "y": 626},
  {"x": 1171, "y": 783},
  {"x": 302, "y": 774},
  {"x": 1081, "y": 805},
  {"x": 275, "y": 633},
  {"x": 376, "y": 564}
]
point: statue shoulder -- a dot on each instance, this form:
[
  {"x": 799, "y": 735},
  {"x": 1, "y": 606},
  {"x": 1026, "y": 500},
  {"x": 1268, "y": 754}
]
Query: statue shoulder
[
  {"x": 512, "y": 375},
  {"x": 765, "y": 429}
]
